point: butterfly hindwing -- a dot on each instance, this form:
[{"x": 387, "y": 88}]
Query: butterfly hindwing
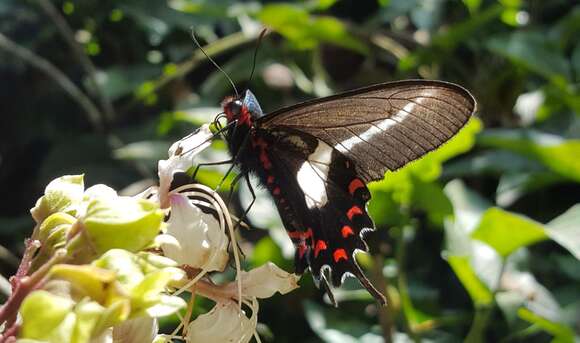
[{"x": 322, "y": 203}]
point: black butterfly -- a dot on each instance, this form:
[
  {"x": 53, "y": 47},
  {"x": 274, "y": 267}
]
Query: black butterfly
[{"x": 317, "y": 157}]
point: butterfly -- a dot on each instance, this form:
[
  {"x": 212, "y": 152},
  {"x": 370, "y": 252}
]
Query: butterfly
[{"x": 317, "y": 157}]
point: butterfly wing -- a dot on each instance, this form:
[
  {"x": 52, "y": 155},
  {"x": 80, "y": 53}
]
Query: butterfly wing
[
  {"x": 322, "y": 204},
  {"x": 382, "y": 127},
  {"x": 317, "y": 157}
]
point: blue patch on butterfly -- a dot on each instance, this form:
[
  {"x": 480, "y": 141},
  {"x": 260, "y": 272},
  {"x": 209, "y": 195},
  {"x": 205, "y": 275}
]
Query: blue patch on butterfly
[{"x": 253, "y": 105}]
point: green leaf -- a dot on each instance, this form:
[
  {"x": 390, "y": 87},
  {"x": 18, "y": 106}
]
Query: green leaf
[
  {"x": 478, "y": 291},
  {"x": 467, "y": 29},
  {"x": 266, "y": 250},
  {"x": 561, "y": 332},
  {"x": 429, "y": 196},
  {"x": 42, "y": 315},
  {"x": 142, "y": 151},
  {"x": 472, "y": 5},
  {"x": 88, "y": 314},
  {"x": 123, "y": 222},
  {"x": 305, "y": 31},
  {"x": 565, "y": 229},
  {"x": 533, "y": 50},
  {"x": 88, "y": 280},
  {"x": 63, "y": 194},
  {"x": 147, "y": 297},
  {"x": 53, "y": 234},
  {"x": 506, "y": 232},
  {"x": 511, "y": 187},
  {"x": 555, "y": 152}
]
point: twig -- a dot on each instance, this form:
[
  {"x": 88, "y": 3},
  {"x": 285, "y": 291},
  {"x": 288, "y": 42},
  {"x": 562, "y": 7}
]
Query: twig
[
  {"x": 402, "y": 283},
  {"x": 385, "y": 312},
  {"x": 84, "y": 60},
  {"x": 93, "y": 113},
  {"x": 23, "y": 287},
  {"x": 483, "y": 313}
]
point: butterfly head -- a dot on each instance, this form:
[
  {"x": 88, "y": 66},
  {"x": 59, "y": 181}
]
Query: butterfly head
[{"x": 242, "y": 109}]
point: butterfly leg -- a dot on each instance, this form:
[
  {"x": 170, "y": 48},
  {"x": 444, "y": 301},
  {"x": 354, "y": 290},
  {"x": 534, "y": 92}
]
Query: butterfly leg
[
  {"x": 234, "y": 161},
  {"x": 247, "y": 177},
  {"x": 233, "y": 187},
  {"x": 231, "y": 160},
  {"x": 247, "y": 210}
]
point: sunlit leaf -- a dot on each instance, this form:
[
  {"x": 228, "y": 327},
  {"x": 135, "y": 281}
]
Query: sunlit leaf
[
  {"x": 477, "y": 290},
  {"x": 565, "y": 229},
  {"x": 305, "y": 31},
  {"x": 561, "y": 332},
  {"x": 472, "y": 5},
  {"x": 555, "y": 152},
  {"x": 266, "y": 250},
  {"x": 507, "y": 232}
]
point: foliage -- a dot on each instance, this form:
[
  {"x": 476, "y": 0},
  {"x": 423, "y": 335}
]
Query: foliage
[{"x": 477, "y": 241}]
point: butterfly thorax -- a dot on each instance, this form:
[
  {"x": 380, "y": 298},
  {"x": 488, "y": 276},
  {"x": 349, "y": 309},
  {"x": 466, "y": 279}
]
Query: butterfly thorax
[{"x": 241, "y": 114}]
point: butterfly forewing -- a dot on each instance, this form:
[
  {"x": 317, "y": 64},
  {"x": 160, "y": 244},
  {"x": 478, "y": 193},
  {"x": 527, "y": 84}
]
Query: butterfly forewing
[{"x": 382, "y": 127}]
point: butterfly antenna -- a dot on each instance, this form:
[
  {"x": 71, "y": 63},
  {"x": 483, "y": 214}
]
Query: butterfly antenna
[
  {"x": 262, "y": 34},
  {"x": 214, "y": 63}
]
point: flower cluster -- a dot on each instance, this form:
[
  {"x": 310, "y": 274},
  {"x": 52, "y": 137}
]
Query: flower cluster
[{"x": 100, "y": 267}]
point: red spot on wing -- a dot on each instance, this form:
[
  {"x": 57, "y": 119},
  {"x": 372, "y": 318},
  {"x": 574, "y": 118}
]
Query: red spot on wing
[
  {"x": 270, "y": 179},
  {"x": 320, "y": 245},
  {"x": 354, "y": 185},
  {"x": 353, "y": 211},
  {"x": 346, "y": 231},
  {"x": 265, "y": 159},
  {"x": 340, "y": 254},
  {"x": 303, "y": 235},
  {"x": 276, "y": 191},
  {"x": 302, "y": 249}
]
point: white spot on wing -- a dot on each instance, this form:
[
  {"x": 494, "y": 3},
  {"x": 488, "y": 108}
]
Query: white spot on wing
[
  {"x": 375, "y": 129},
  {"x": 313, "y": 174}
]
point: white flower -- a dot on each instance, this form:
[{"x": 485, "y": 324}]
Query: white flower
[
  {"x": 138, "y": 330},
  {"x": 224, "y": 323},
  {"x": 194, "y": 238},
  {"x": 264, "y": 281},
  {"x": 181, "y": 155}
]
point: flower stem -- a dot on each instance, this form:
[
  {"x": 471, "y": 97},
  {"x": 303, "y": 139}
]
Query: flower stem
[{"x": 22, "y": 287}]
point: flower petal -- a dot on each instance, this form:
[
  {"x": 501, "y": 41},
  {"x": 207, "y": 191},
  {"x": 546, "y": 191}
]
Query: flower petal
[
  {"x": 138, "y": 330},
  {"x": 199, "y": 240},
  {"x": 181, "y": 155},
  {"x": 264, "y": 281},
  {"x": 224, "y": 323}
]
